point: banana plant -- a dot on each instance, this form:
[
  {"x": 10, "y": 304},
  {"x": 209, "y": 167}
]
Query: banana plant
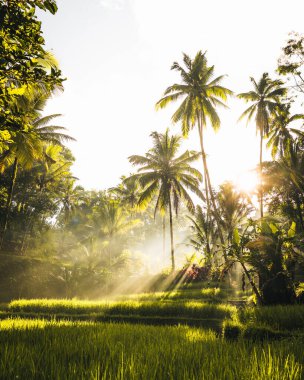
[{"x": 265, "y": 246}]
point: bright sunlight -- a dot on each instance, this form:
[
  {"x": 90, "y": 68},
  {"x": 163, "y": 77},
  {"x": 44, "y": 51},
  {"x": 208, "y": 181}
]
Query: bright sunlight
[{"x": 247, "y": 182}]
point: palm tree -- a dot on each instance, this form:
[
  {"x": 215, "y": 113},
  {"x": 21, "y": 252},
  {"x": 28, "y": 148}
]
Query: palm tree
[
  {"x": 265, "y": 97},
  {"x": 109, "y": 222},
  {"x": 55, "y": 165},
  {"x": 167, "y": 177},
  {"x": 127, "y": 191},
  {"x": 204, "y": 234},
  {"x": 71, "y": 198},
  {"x": 28, "y": 144},
  {"x": 200, "y": 94},
  {"x": 281, "y": 136},
  {"x": 234, "y": 208},
  {"x": 285, "y": 184}
]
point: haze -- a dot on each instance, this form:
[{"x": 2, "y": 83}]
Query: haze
[{"x": 117, "y": 54}]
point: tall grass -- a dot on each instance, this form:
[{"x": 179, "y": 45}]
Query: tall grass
[
  {"x": 191, "y": 309},
  {"x": 215, "y": 295},
  {"x": 83, "y": 350},
  {"x": 278, "y": 317}
]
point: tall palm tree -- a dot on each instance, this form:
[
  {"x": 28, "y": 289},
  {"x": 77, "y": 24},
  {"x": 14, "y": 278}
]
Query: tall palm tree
[
  {"x": 167, "y": 176},
  {"x": 265, "y": 98},
  {"x": 281, "y": 136},
  {"x": 234, "y": 208},
  {"x": 28, "y": 144},
  {"x": 127, "y": 191},
  {"x": 204, "y": 234},
  {"x": 109, "y": 222},
  {"x": 291, "y": 168},
  {"x": 200, "y": 93}
]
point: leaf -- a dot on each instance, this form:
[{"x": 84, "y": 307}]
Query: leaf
[
  {"x": 49, "y": 5},
  {"x": 265, "y": 228},
  {"x": 292, "y": 230},
  {"x": 262, "y": 242},
  {"x": 5, "y": 135},
  {"x": 236, "y": 237},
  {"x": 16, "y": 91},
  {"x": 273, "y": 228}
]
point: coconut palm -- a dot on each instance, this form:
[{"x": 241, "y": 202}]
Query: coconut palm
[
  {"x": 127, "y": 191},
  {"x": 167, "y": 177},
  {"x": 281, "y": 136},
  {"x": 234, "y": 208},
  {"x": 265, "y": 98},
  {"x": 200, "y": 94},
  {"x": 204, "y": 234},
  {"x": 71, "y": 199},
  {"x": 291, "y": 169},
  {"x": 109, "y": 222},
  {"x": 30, "y": 140}
]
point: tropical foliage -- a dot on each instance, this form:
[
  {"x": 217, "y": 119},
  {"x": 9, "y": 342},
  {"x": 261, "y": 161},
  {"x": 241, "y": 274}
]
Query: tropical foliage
[
  {"x": 166, "y": 177},
  {"x": 200, "y": 93},
  {"x": 60, "y": 239},
  {"x": 265, "y": 96}
]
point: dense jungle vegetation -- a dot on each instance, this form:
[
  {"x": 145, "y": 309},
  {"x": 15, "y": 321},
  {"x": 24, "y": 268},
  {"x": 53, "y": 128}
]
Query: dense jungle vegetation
[{"x": 73, "y": 261}]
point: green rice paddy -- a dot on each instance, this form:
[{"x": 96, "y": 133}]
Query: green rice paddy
[
  {"x": 39, "y": 349},
  {"x": 64, "y": 339}
]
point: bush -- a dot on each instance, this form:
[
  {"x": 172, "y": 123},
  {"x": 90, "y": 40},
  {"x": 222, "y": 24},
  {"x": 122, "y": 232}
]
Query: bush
[
  {"x": 300, "y": 293},
  {"x": 231, "y": 330},
  {"x": 278, "y": 317},
  {"x": 261, "y": 333}
]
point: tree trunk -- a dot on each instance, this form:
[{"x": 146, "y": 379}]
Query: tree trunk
[
  {"x": 254, "y": 288},
  {"x": 261, "y": 173},
  {"x": 164, "y": 236},
  {"x": 171, "y": 236},
  {"x": 208, "y": 184},
  {"x": 9, "y": 200},
  {"x": 208, "y": 215},
  {"x": 299, "y": 211}
]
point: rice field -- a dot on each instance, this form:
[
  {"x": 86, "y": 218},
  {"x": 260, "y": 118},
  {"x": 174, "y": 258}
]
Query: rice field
[
  {"x": 64, "y": 339},
  {"x": 39, "y": 349},
  {"x": 278, "y": 317},
  {"x": 191, "y": 309}
]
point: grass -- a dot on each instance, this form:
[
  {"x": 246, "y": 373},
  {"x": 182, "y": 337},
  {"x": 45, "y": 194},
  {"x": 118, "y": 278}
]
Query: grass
[
  {"x": 210, "y": 295},
  {"x": 191, "y": 309},
  {"x": 276, "y": 317},
  {"x": 69, "y": 345},
  {"x": 38, "y": 349}
]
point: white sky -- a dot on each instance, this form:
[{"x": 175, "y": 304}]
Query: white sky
[{"x": 117, "y": 54}]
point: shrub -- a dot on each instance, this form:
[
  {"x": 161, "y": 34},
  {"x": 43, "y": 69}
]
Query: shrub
[
  {"x": 261, "y": 333},
  {"x": 231, "y": 330},
  {"x": 300, "y": 293},
  {"x": 277, "y": 317}
]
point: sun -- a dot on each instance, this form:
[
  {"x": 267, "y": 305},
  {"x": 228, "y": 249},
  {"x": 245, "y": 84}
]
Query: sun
[{"x": 247, "y": 182}]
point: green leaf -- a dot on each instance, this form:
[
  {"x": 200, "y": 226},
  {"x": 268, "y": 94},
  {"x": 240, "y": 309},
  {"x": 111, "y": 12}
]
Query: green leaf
[
  {"x": 266, "y": 229},
  {"x": 292, "y": 230},
  {"x": 236, "y": 236},
  {"x": 273, "y": 228},
  {"x": 16, "y": 91},
  {"x": 51, "y": 6}
]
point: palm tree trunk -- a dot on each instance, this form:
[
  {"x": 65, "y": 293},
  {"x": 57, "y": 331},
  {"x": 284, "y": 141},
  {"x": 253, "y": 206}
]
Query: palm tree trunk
[
  {"x": 9, "y": 199},
  {"x": 171, "y": 236},
  {"x": 261, "y": 173},
  {"x": 208, "y": 183},
  {"x": 254, "y": 288},
  {"x": 164, "y": 236},
  {"x": 207, "y": 218},
  {"x": 299, "y": 211}
]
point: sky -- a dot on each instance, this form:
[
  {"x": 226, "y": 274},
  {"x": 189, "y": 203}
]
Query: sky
[{"x": 117, "y": 54}]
